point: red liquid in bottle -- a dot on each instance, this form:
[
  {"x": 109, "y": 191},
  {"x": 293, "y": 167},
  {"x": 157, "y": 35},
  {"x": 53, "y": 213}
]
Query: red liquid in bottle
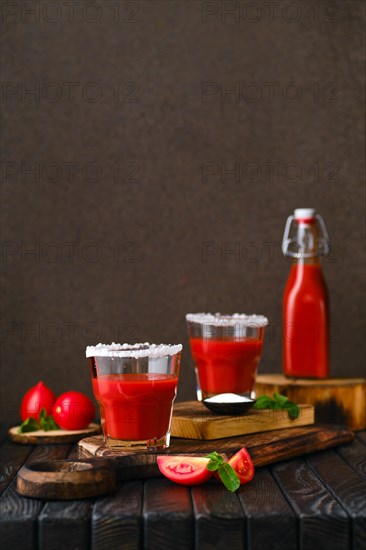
[
  {"x": 305, "y": 311},
  {"x": 226, "y": 366}
]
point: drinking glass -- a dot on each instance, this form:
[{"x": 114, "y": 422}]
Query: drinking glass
[
  {"x": 135, "y": 386},
  {"x": 226, "y": 350}
]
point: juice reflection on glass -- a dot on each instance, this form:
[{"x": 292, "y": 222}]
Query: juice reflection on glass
[
  {"x": 226, "y": 350},
  {"x": 135, "y": 386}
]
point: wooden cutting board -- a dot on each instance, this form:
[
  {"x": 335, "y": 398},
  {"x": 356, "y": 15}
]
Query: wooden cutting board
[
  {"x": 340, "y": 401},
  {"x": 192, "y": 420},
  {"x": 264, "y": 448},
  {"x": 40, "y": 437}
]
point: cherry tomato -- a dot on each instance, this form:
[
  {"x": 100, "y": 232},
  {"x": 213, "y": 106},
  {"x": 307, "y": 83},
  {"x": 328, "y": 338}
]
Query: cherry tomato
[
  {"x": 243, "y": 465},
  {"x": 186, "y": 470},
  {"x": 73, "y": 410},
  {"x": 35, "y": 399}
]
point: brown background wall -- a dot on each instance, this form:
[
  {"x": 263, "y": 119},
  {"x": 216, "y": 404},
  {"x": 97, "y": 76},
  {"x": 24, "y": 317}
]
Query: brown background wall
[{"x": 149, "y": 223}]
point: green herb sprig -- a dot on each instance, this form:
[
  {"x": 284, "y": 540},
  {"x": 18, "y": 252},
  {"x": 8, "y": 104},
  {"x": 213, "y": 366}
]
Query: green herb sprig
[
  {"x": 280, "y": 402},
  {"x": 45, "y": 423},
  {"x": 226, "y": 472}
]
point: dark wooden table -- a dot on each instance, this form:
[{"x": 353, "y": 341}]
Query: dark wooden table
[{"x": 315, "y": 502}]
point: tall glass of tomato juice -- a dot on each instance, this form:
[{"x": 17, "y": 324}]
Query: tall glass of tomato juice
[
  {"x": 226, "y": 350},
  {"x": 135, "y": 386}
]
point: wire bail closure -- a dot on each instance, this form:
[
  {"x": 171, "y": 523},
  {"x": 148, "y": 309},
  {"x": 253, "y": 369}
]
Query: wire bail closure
[{"x": 323, "y": 241}]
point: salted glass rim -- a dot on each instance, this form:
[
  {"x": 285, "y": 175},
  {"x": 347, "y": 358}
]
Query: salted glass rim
[
  {"x": 224, "y": 320},
  {"x": 133, "y": 350}
]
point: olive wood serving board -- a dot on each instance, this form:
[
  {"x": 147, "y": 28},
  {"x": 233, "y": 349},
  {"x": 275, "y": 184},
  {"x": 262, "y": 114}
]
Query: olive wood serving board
[
  {"x": 264, "y": 448},
  {"x": 40, "y": 437},
  {"x": 192, "y": 420},
  {"x": 338, "y": 401}
]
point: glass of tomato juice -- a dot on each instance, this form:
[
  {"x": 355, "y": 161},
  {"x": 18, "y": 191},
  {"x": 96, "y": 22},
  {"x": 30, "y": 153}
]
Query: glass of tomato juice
[
  {"x": 135, "y": 386},
  {"x": 226, "y": 350}
]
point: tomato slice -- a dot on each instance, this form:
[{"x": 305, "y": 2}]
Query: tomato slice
[
  {"x": 186, "y": 470},
  {"x": 243, "y": 465}
]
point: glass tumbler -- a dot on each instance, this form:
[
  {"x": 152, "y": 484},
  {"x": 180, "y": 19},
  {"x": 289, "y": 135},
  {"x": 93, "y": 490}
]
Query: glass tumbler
[
  {"x": 135, "y": 386},
  {"x": 226, "y": 350}
]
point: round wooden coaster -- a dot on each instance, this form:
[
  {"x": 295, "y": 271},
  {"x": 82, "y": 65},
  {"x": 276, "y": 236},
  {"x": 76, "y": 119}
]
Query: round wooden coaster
[
  {"x": 66, "y": 479},
  {"x": 40, "y": 437}
]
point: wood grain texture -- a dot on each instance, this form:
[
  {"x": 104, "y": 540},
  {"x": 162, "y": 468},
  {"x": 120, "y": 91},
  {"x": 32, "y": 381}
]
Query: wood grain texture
[
  {"x": 265, "y": 448},
  {"x": 168, "y": 516},
  {"x": 12, "y": 458},
  {"x": 18, "y": 520},
  {"x": 40, "y": 437},
  {"x": 192, "y": 420},
  {"x": 117, "y": 519},
  {"x": 49, "y": 452},
  {"x": 220, "y": 522},
  {"x": 18, "y": 515},
  {"x": 336, "y": 400},
  {"x": 355, "y": 456},
  {"x": 347, "y": 487},
  {"x": 362, "y": 437},
  {"x": 323, "y": 523},
  {"x": 271, "y": 522},
  {"x": 66, "y": 479},
  {"x": 65, "y": 525}
]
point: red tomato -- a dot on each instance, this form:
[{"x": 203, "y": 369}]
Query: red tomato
[
  {"x": 37, "y": 398},
  {"x": 73, "y": 410},
  {"x": 186, "y": 470},
  {"x": 243, "y": 465}
]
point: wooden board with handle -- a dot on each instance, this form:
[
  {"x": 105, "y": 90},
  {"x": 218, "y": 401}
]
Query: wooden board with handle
[
  {"x": 192, "y": 420},
  {"x": 264, "y": 448}
]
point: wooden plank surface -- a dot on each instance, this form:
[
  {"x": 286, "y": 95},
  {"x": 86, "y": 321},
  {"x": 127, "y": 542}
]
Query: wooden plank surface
[
  {"x": 336, "y": 400},
  {"x": 18, "y": 520},
  {"x": 324, "y": 496},
  {"x": 12, "y": 458},
  {"x": 220, "y": 522},
  {"x": 117, "y": 519},
  {"x": 347, "y": 487},
  {"x": 19, "y": 515},
  {"x": 354, "y": 455},
  {"x": 192, "y": 420},
  {"x": 168, "y": 516},
  {"x": 264, "y": 448},
  {"x": 322, "y": 521},
  {"x": 271, "y": 521},
  {"x": 65, "y": 524}
]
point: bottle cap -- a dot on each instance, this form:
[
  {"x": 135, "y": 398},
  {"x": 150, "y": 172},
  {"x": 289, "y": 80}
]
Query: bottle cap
[{"x": 304, "y": 214}]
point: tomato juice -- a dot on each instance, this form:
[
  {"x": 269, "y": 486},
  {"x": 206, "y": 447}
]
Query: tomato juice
[
  {"x": 135, "y": 407},
  {"x": 226, "y": 366},
  {"x": 305, "y": 330}
]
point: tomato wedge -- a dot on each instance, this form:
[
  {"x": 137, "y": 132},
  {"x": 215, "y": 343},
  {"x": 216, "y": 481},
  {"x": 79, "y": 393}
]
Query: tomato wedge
[
  {"x": 243, "y": 465},
  {"x": 186, "y": 470}
]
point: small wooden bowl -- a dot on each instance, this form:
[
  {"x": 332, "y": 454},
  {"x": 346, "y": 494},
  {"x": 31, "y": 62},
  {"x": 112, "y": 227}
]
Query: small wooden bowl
[{"x": 66, "y": 479}]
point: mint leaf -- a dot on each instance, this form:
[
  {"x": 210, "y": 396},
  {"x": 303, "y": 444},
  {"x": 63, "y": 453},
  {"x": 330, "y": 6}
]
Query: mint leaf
[
  {"x": 229, "y": 477},
  {"x": 29, "y": 425},
  {"x": 264, "y": 402},
  {"x": 47, "y": 422},
  {"x": 215, "y": 457},
  {"x": 280, "y": 399},
  {"x": 212, "y": 466},
  {"x": 215, "y": 461},
  {"x": 280, "y": 402},
  {"x": 226, "y": 472},
  {"x": 293, "y": 410}
]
